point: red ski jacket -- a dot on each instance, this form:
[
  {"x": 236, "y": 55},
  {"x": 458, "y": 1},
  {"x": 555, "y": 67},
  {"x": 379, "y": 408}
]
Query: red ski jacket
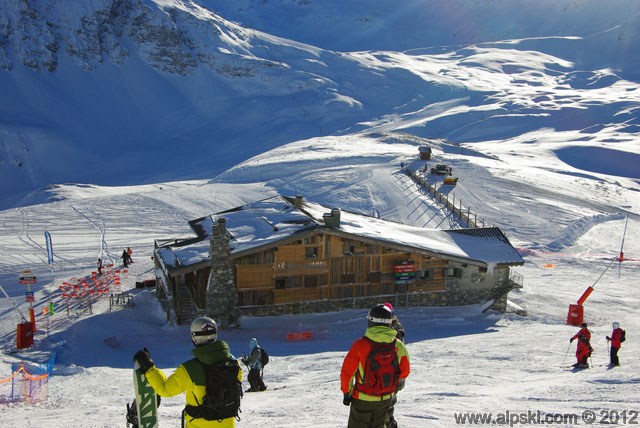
[
  {"x": 615, "y": 338},
  {"x": 584, "y": 332}
]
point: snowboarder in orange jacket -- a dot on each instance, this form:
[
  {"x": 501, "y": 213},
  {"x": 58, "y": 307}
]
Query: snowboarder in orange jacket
[{"x": 370, "y": 400}]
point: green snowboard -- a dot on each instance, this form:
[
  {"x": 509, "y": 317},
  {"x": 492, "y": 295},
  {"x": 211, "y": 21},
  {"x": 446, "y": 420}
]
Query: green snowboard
[{"x": 146, "y": 400}]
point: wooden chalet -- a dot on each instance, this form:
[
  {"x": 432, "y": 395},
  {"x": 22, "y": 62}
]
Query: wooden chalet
[{"x": 285, "y": 255}]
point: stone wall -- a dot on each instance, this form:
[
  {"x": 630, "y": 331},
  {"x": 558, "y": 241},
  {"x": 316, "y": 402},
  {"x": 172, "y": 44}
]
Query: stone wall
[
  {"x": 318, "y": 306},
  {"x": 473, "y": 286}
]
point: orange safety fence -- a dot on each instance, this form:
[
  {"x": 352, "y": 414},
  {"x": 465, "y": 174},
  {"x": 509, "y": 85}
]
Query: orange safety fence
[{"x": 24, "y": 386}]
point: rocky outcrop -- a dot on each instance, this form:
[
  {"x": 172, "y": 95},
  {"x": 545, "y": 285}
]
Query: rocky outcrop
[{"x": 39, "y": 35}]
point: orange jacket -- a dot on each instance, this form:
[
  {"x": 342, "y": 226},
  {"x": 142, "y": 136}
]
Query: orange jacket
[{"x": 354, "y": 363}]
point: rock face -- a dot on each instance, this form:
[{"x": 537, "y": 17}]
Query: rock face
[{"x": 39, "y": 34}]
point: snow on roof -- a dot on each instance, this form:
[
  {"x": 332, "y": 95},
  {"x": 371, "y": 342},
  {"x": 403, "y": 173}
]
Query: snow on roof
[
  {"x": 264, "y": 222},
  {"x": 492, "y": 247},
  {"x": 271, "y": 220}
]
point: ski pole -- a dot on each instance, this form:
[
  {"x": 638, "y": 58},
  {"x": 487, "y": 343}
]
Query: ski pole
[{"x": 565, "y": 354}]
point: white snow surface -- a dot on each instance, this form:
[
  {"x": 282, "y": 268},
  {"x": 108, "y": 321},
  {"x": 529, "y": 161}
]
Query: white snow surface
[{"x": 541, "y": 132}]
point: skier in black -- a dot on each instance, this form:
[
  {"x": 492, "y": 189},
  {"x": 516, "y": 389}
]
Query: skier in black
[
  {"x": 125, "y": 258},
  {"x": 254, "y": 362}
]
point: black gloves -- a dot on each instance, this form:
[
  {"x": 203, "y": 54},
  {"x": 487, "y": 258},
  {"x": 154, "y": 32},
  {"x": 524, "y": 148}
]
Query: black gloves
[
  {"x": 571, "y": 340},
  {"x": 346, "y": 400},
  {"x": 143, "y": 358},
  {"x": 608, "y": 338}
]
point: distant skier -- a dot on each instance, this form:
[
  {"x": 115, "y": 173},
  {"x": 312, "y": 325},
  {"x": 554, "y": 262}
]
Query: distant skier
[
  {"x": 254, "y": 362},
  {"x": 372, "y": 370},
  {"x": 616, "y": 339},
  {"x": 584, "y": 349},
  {"x": 99, "y": 266},
  {"x": 125, "y": 258},
  {"x": 129, "y": 252}
]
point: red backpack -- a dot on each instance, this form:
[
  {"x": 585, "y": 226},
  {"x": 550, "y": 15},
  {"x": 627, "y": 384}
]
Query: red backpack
[{"x": 381, "y": 369}]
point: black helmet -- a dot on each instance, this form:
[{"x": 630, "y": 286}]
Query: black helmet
[{"x": 380, "y": 315}]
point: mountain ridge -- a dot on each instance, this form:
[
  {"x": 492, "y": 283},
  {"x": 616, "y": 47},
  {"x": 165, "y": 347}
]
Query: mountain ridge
[{"x": 119, "y": 79}]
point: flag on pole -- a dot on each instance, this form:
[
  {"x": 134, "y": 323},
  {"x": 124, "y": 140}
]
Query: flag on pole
[{"x": 47, "y": 238}]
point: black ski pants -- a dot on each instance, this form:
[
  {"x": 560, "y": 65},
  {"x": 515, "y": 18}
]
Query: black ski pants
[
  {"x": 255, "y": 380},
  {"x": 614, "y": 356}
]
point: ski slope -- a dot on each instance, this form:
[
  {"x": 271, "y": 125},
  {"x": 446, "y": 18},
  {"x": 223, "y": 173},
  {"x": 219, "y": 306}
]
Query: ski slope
[{"x": 463, "y": 360}]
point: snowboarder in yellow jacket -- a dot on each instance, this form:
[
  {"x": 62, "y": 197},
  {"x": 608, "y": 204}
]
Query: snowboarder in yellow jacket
[{"x": 190, "y": 376}]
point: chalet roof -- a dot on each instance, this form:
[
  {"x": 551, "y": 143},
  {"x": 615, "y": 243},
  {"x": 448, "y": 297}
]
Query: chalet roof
[{"x": 260, "y": 225}]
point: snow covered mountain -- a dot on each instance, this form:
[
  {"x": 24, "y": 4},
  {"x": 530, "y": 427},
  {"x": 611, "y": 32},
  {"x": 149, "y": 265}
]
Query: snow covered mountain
[
  {"x": 91, "y": 88},
  {"x": 534, "y": 104}
]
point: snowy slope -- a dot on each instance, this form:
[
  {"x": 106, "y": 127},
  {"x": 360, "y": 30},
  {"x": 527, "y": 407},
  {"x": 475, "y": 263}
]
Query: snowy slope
[
  {"x": 103, "y": 86},
  {"x": 463, "y": 360}
]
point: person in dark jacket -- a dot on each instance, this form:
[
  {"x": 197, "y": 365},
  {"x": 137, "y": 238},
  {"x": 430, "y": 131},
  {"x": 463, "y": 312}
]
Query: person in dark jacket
[
  {"x": 190, "y": 376},
  {"x": 616, "y": 335},
  {"x": 254, "y": 362},
  {"x": 125, "y": 258},
  {"x": 99, "y": 266},
  {"x": 584, "y": 349}
]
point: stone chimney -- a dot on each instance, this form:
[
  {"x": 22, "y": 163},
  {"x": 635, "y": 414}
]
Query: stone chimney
[
  {"x": 222, "y": 295},
  {"x": 332, "y": 220},
  {"x": 298, "y": 202}
]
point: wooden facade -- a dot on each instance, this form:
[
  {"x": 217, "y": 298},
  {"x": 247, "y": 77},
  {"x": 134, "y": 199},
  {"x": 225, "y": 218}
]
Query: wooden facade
[
  {"x": 283, "y": 256},
  {"x": 325, "y": 266}
]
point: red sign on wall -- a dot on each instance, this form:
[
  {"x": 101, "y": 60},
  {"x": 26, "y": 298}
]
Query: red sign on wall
[{"x": 404, "y": 268}]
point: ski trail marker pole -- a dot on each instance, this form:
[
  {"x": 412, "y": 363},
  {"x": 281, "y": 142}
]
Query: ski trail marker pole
[{"x": 621, "y": 258}]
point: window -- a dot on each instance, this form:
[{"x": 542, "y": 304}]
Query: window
[
  {"x": 269, "y": 256},
  {"x": 348, "y": 249},
  {"x": 425, "y": 274},
  {"x": 454, "y": 272},
  {"x": 311, "y": 252},
  {"x": 374, "y": 277},
  {"x": 253, "y": 298},
  {"x": 347, "y": 278},
  {"x": 252, "y": 259},
  {"x": 310, "y": 281},
  {"x": 309, "y": 240},
  {"x": 288, "y": 282}
]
